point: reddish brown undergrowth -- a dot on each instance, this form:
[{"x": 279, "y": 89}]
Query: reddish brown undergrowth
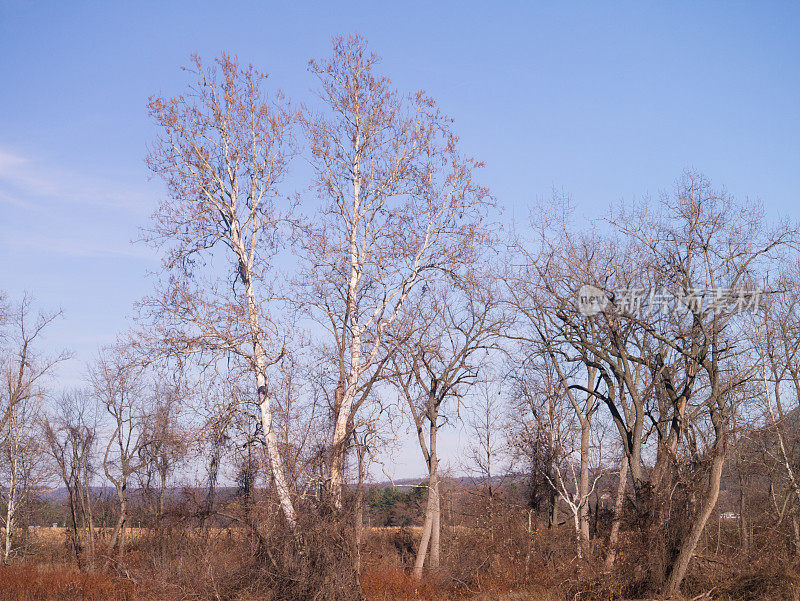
[{"x": 27, "y": 583}]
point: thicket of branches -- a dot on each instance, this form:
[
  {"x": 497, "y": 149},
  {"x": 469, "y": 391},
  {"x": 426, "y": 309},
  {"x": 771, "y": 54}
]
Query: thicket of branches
[{"x": 629, "y": 387}]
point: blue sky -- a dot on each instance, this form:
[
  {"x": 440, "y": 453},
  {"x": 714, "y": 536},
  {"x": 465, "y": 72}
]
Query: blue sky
[{"x": 602, "y": 100}]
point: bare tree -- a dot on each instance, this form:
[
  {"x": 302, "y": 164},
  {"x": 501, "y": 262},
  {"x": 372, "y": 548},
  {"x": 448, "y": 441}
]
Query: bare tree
[
  {"x": 166, "y": 442},
  {"x": 547, "y": 390},
  {"x": 71, "y": 433},
  {"x": 776, "y": 338},
  {"x": 703, "y": 240},
  {"x": 24, "y": 370},
  {"x": 399, "y": 201},
  {"x": 21, "y": 464},
  {"x": 24, "y": 366},
  {"x": 119, "y": 387},
  {"x": 222, "y": 150},
  {"x": 486, "y": 450},
  {"x": 680, "y": 368},
  {"x": 616, "y": 523},
  {"x": 549, "y": 330},
  {"x": 449, "y": 332}
]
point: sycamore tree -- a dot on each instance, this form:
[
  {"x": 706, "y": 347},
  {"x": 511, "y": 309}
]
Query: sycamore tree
[
  {"x": 222, "y": 149},
  {"x": 398, "y": 202}
]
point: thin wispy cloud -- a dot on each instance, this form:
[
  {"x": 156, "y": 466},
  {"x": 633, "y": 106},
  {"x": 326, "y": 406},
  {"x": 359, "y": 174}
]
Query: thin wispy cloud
[
  {"x": 74, "y": 246},
  {"x": 35, "y": 185}
]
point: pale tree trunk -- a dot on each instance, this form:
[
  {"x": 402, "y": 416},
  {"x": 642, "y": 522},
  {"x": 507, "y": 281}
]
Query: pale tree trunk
[
  {"x": 273, "y": 453},
  {"x": 431, "y": 520},
  {"x": 343, "y": 411},
  {"x": 575, "y": 501},
  {"x": 619, "y": 502},
  {"x": 123, "y": 533},
  {"x": 431, "y": 527},
  {"x": 436, "y": 529},
  {"x": 583, "y": 492},
  {"x": 340, "y": 432},
  {"x": 260, "y": 364},
  {"x": 276, "y": 464},
  {"x": 9, "y": 532},
  {"x": 581, "y": 510},
  {"x": 688, "y": 547},
  {"x": 339, "y": 441},
  {"x": 10, "y": 511}
]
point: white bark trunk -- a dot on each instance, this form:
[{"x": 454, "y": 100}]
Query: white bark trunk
[
  {"x": 583, "y": 491},
  {"x": 261, "y": 364},
  {"x": 276, "y": 463},
  {"x": 343, "y": 411},
  {"x": 10, "y": 510}
]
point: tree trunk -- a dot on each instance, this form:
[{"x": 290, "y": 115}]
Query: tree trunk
[
  {"x": 10, "y": 510},
  {"x": 72, "y": 530},
  {"x": 9, "y": 530},
  {"x": 688, "y": 547},
  {"x": 432, "y": 526},
  {"x": 436, "y": 528},
  {"x": 552, "y": 521},
  {"x": 340, "y": 432},
  {"x": 261, "y": 364},
  {"x": 619, "y": 502},
  {"x": 583, "y": 516},
  {"x": 86, "y": 510},
  {"x": 359, "y": 513},
  {"x": 275, "y": 462},
  {"x": 343, "y": 411},
  {"x": 427, "y": 529},
  {"x": 118, "y": 536}
]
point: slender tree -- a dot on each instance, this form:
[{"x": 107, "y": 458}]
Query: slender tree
[
  {"x": 450, "y": 330},
  {"x": 24, "y": 370},
  {"x": 71, "y": 433},
  {"x": 399, "y": 201},
  {"x": 222, "y": 149},
  {"x": 119, "y": 387},
  {"x": 22, "y": 466}
]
